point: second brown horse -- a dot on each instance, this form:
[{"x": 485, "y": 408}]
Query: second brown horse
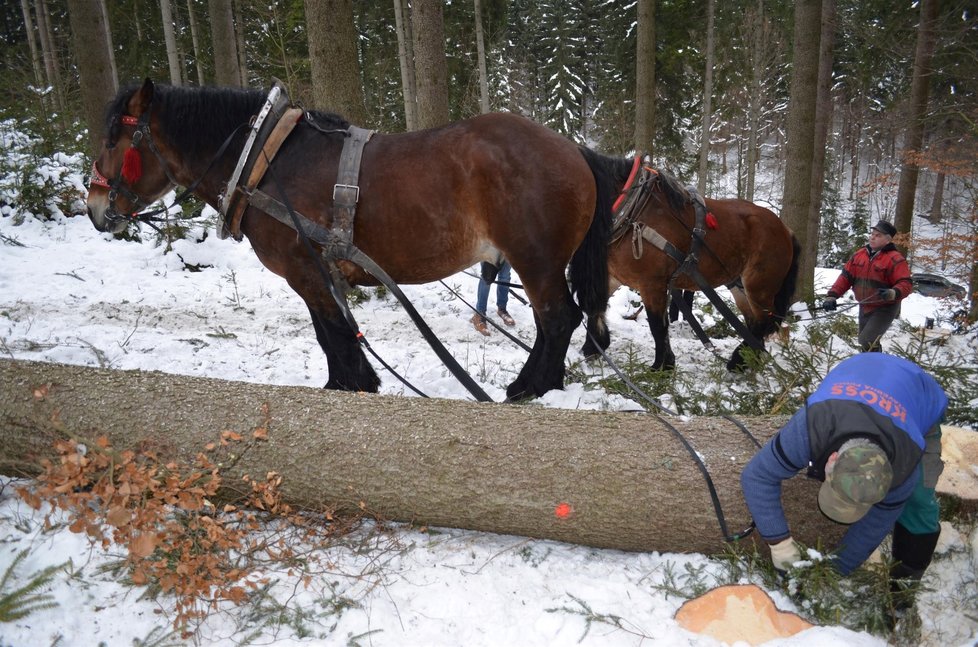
[{"x": 746, "y": 247}]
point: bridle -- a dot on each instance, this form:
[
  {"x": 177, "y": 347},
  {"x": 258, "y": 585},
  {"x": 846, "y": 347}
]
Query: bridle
[{"x": 122, "y": 185}]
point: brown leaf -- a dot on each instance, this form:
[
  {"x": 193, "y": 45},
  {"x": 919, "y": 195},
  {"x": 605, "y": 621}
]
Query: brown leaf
[
  {"x": 41, "y": 392},
  {"x": 143, "y": 545},
  {"x": 118, "y": 517}
]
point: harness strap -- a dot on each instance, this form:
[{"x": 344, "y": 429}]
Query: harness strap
[
  {"x": 281, "y": 131},
  {"x": 641, "y": 231},
  {"x": 346, "y": 191}
]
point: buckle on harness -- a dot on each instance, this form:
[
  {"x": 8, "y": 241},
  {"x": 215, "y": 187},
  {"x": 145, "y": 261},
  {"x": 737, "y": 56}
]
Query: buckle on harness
[{"x": 346, "y": 198}]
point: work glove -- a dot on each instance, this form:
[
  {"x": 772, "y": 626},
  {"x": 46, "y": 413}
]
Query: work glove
[
  {"x": 828, "y": 304},
  {"x": 887, "y": 294},
  {"x": 784, "y": 554}
]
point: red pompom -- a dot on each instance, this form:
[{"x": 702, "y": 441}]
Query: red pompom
[
  {"x": 132, "y": 165},
  {"x": 711, "y": 221}
]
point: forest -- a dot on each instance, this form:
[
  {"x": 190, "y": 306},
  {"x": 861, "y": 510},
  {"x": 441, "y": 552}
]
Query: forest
[{"x": 890, "y": 104}]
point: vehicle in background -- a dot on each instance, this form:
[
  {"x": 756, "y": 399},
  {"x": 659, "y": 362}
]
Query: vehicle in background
[{"x": 935, "y": 285}]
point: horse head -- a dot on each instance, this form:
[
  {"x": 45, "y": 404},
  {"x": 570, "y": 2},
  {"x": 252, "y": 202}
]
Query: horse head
[{"x": 131, "y": 171}]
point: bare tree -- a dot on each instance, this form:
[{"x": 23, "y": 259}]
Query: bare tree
[
  {"x": 914, "y": 136},
  {"x": 645, "y": 78},
  {"x": 336, "y": 78},
  {"x": 195, "y": 39},
  {"x": 227, "y": 70},
  {"x": 707, "y": 98},
  {"x": 429, "y": 61},
  {"x": 796, "y": 206},
  {"x": 52, "y": 68},
  {"x": 239, "y": 39},
  {"x": 96, "y": 64},
  {"x": 169, "y": 35},
  {"x": 823, "y": 119},
  {"x": 405, "y": 55},
  {"x": 25, "y": 8},
  {"x": 480, "y": 44}
]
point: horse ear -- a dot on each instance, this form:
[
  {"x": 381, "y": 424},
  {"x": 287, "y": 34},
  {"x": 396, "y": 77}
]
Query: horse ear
[{"x": 142, "y": 98}]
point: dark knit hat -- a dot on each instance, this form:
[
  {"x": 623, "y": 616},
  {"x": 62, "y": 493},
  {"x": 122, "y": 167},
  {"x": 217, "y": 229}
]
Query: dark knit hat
[{"x": 885, "y": 227}]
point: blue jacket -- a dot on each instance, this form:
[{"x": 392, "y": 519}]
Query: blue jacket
[{"x": 871, "y": 395}]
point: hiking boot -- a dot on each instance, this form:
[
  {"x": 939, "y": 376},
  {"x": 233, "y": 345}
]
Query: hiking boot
[
  {"x": 480, "y": 324},
  {"x": 507, "y": 319}
]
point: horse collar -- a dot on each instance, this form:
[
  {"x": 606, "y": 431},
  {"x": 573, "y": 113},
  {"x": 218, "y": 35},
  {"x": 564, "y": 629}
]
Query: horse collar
[{"x": 275, "y": 104}]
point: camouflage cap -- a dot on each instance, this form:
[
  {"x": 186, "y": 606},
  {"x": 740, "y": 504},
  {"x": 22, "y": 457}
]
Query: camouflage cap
[{"x": 859, "y": 479}]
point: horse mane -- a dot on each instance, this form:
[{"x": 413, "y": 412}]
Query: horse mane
[
  {"x": 201, "y": 118},
  {"x": 676, "y": 194}
]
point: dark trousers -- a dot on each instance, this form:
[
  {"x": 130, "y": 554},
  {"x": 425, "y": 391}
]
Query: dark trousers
[{"x": 873, "y": 325}]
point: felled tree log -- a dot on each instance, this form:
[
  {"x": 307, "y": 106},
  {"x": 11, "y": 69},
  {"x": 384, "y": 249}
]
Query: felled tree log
[{"x": 628, "y": 482}]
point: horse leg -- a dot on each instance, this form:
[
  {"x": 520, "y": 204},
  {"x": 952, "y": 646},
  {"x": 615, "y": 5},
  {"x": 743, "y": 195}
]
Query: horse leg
[
  {"x": 655, "y": 309},
  {"x": 758, "y": 322},
  {"x": 348, "y": 367},
  {"x": 598, "y": 336},
  {"x": 544, "y": 369}
]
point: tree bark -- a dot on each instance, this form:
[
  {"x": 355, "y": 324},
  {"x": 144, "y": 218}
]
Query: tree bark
[
  {"x": 227, "y": 72},
  {"x": 823, "y": 120},
  {"x": 801, "y": 138},
  {"x": 430, "y": 66},
  {"x": 52, "y": 67},
  {"x": 169, "y": 35},
  {"x": 195, "y": 39},
  {"x": 336, "y": 81},
  {"x": 96, "y": 64},
  {"x": 707, "y": 99},
  {"x": 405, "y": 55},
  {"x": 240, "y": 30},
  {"x": 499, "y": 468},
  {"x": 25, "y": 9},
  {"x": 480, "y": 45},
  {"x": 645, "y": 78},
  {"x": 914, "y": 137}
]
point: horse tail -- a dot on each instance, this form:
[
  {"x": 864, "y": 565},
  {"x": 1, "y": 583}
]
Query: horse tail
[
  {"x": 783, "y": 299},
  {"x": 589, "y": 265}
]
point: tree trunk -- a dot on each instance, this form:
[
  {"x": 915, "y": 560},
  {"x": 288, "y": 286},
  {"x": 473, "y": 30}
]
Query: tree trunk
[
  {"x": 707, "y": 99},
  {"x": 645, "y": 78},
  {"x": 36, "y": 61},
  {"x": 823, "y": 120},
  {"x": 172, "y": 56},
  {"x": 801, "y": 138},
  {"x": 755, "y": 22},
  {"x": 936, "y": 210},
  {"x": 96, "y": 65},
  {"x": 336, "y": 81},
  {"x": 405, "y": 55},
  {"x": 914, "y": 136},
  {"x": 430, "y": 66},
  {"x": 52, "y": 67},
  {"x": 226, "y": 69},
  {"x": 480, "y": 44},
  {"x": 195, "y": 39},
  {"x": 239, "y": 39},
  {"x": 500, "y": 468}
]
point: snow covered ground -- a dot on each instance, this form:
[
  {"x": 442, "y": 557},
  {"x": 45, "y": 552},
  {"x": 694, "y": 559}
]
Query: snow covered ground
[{"x": 69, "y": 294}]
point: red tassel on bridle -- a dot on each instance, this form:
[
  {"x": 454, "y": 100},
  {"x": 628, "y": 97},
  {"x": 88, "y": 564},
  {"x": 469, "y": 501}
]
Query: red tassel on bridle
[
  {"x": 711, "y": 221},
  {"x": 132, "y": 165}
]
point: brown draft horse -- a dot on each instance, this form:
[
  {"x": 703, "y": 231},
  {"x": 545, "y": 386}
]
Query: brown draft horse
[
  {"x": 432, "y": 203},
  {"x": 750, "y": 251}
]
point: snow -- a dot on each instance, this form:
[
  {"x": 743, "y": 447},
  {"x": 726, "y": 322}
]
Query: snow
[{"x": 72, "y": 295}]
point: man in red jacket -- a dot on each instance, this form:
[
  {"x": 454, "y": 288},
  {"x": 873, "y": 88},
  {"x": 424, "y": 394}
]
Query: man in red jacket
[{"x": 880, "y": 278}]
